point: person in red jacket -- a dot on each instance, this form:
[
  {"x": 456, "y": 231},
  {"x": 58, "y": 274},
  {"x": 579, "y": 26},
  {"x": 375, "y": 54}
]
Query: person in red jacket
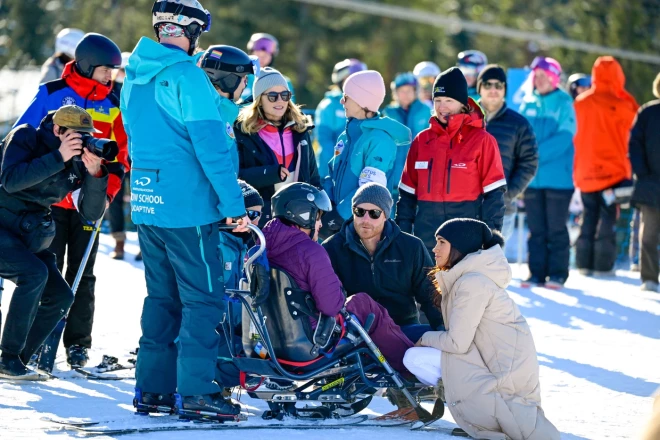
[
  {"x": 454, "y": 168},
  {"x": 605, "y": 114},
  {"x": 85, "y": 82}
]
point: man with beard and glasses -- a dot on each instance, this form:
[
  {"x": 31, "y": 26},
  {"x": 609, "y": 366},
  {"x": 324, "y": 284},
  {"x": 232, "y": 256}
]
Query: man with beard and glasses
[{"x": 371, "y": 254}]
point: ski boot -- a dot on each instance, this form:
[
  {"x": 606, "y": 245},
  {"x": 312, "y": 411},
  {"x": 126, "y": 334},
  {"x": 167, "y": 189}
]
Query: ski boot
[
  {"x": 76, "y": 356},
  {"x": 12, "y": 368},
  {"x": 209, "y": 407},
  {"x": 147, "y": 403}
]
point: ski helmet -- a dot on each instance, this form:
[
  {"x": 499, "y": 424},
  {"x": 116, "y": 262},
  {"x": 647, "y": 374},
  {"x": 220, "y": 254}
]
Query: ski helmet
[
  {"x": 404, "y": 79},
  {"x": 66, "y": 41},
  {"x": 226, "y": 67},
  {"x": 346, "y": 68},
  {"x": 187, "y": 15},
  {"x": 96, "y": 50},
  {"x": 471, "y": 62},
  {"x": 577, "y": 80},
  {"x": 300, "y": 203},
  {"x": 426, "y": 69},
  {"x": 265, "y": 42}
]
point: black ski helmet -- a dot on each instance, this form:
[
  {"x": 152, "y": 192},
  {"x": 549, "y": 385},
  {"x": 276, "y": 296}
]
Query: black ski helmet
[
  {"x": 96, "y": 50},
  {"x": 226, "y": 67},
  {"x": 300, "y": 203}
]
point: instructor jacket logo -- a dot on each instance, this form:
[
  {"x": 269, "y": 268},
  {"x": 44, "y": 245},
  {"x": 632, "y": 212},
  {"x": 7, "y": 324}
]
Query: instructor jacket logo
[{"x": 142, "y": 181}]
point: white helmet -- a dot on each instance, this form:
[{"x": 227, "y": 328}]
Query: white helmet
[
  {"x": 67, "y": 40},
  {"x": 425, "y": 69},
  {"x": 187, "y": 14}
]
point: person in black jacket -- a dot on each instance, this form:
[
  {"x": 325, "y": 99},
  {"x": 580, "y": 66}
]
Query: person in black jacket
[
  {"x": 39, "y": 167},
  {"x": 371, "y": 254},
  {"x": 515, "y": 139},
  {"x": 273, "y": 138},
  {"x": 644, "y": 150}
]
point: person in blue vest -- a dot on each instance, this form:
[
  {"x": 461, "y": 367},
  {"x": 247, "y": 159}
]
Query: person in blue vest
[
  {"x": 265, "y": 48},
  {"x": 330, "y": 117},
  {"x": 183, "y": 184},
  {"x": 228, "y": 68},
  {"x": 471, "y": 63},
  {"x": 550, "y": 111},
  {"x": 366, "y": 151}
]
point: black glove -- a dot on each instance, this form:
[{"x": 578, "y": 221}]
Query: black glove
[{"x": 331, "y": 223}]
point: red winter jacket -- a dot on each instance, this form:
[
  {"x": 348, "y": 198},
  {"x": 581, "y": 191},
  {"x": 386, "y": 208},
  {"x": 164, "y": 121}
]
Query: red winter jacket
[
  {"x": 452, "y": 172},
  {"x": 107, "y": 120}
]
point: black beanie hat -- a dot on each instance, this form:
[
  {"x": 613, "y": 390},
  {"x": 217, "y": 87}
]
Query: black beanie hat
[
  {"x": 451, "y": 83},
  {"x": 251, "y": 196},
  {"x": 467, "y": 235},
  {"x": 491, "y": 71}
]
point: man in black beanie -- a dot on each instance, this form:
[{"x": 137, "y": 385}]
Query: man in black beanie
[{"x": 515, "y": 139}]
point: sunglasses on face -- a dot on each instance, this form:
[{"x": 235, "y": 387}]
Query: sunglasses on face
[
  {"x": 489, "y": 85},
  {"x": 253, "y": 215},
  {"x": 272, "y": 96},
  {"x": 373, "y": 213}
]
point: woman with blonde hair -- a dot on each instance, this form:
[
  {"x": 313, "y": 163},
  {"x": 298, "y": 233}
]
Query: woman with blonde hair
[
  {"x": 486, "y": 356},
  {"x": 273, "y": 137}
]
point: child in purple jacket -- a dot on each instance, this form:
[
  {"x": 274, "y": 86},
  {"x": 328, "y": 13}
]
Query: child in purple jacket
[{"x": 291, "y": 239}]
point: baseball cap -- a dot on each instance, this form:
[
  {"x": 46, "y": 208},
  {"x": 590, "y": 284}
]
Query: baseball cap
[{"x": 75, "y": 118}]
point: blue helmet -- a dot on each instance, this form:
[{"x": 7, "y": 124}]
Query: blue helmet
[
  {"x": 404, "y": 79},
  {"x": 577, "y": 80}
]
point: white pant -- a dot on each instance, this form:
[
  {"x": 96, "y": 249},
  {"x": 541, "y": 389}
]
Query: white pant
[{"x": 424, "y": 363}]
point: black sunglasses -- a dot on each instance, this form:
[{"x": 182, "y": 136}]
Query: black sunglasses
[
  {"x": 373, "y": 213},
  {"x": 489, "y": 85},
  {"x": 253, "y": 215},
  {"x": 272, "y": 96}
]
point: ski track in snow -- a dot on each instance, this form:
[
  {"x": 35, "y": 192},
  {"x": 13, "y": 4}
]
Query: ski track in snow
[{"x": 598, "y": 342}]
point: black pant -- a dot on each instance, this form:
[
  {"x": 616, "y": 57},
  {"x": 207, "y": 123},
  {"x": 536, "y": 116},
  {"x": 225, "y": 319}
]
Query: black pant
[
  {"x": 116, "y": 212},
  {"x": 596, "y": 246},
  {"x": 71, "y": 238},
  {"x": 548, "y": 244},
  {"x": 649, "y": 232},
  {"x": 40, "y": 300}
]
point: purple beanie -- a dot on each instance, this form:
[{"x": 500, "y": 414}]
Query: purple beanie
[{"x": 367, "y": 88}]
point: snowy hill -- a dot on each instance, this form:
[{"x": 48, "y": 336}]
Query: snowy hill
[{"x": 598, "y": 342}]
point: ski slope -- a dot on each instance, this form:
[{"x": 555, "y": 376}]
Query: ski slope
[{"x": 598, "y": 342}]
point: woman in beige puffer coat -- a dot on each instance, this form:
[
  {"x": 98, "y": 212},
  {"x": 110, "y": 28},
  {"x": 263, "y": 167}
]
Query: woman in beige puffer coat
[{"x": 489, "y": 363}]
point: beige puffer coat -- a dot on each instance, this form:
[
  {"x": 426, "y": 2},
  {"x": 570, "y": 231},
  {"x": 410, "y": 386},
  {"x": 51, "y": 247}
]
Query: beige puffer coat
[{"x": 489, "y": 364}]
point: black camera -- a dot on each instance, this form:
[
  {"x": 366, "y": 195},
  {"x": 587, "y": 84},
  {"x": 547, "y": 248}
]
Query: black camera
[{"x": 103, "y": 148}]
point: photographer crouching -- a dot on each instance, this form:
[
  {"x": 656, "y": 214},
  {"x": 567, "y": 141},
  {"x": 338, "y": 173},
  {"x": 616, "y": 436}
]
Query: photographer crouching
[{"x": 38, "y": 168}]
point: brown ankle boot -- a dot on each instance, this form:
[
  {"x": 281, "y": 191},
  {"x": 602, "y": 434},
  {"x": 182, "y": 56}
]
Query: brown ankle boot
[{"x": 118, "y": 253}]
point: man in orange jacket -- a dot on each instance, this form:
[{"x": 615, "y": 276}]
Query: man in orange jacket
[{"x": 604, "y": 116}]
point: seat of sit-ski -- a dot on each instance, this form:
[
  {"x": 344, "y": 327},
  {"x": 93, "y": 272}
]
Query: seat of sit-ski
[{"x": 289, "y": 329}]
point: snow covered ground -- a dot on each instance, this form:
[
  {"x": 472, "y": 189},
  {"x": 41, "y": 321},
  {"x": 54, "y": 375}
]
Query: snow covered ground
[{"x": 598, "y": 342}]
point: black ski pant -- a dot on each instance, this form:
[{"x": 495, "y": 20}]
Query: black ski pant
[
  {"x": 649, "y": 232},
  {"x": 596, "y": 245},
  {"x": 548, "y": 244},
  {"x": 71, "y": 238},
  {"x": 116, "y": 213},
  {"x": 40, "y": 300}
]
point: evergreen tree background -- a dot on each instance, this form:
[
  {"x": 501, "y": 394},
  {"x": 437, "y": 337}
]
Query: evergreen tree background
[{"x": 312, "y": 38}]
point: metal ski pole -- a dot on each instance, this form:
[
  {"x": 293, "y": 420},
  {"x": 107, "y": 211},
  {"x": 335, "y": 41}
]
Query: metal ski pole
[{"x": 46, "y": 359}]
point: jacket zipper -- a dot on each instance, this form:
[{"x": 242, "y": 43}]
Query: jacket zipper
[
  {"x": 448, "y": 176},
  {"x": 428, "y": 189},
  {"x": 281, "y": 133},
  {"x": 371, "y": 262},
  {"x": 151, "y": 170}
]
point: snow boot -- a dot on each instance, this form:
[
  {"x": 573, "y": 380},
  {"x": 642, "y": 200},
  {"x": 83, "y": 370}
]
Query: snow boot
[
  {"x": 146, "y": 403},
  {"x": 650, "y": 286},
  {"x": 76, "y": 356},
  {"x": 118, "y": 253},
  {"x": 210, "y": 407},
  {"x": 12, "y": 368},
  {"x": 555, "y": 283}
]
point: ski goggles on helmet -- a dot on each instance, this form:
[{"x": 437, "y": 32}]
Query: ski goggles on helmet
[
  {"x": 264, "y": 44},
  {"x": 582, "y": 82},
  {"x": 272, "y": 96},
  {"x": 543, "y": 64},
  {"x": 374, "y": 214},
  {"x": 468, "y": 69}
]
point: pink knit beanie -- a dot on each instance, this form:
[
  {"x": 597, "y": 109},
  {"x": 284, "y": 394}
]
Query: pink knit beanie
[{"x": 367, "y": 88}]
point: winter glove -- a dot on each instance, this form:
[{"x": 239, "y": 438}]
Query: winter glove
[{"x": 331, "y": 224}]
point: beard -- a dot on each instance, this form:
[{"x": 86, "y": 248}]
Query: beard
[{"x": 368, "y": 232}]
